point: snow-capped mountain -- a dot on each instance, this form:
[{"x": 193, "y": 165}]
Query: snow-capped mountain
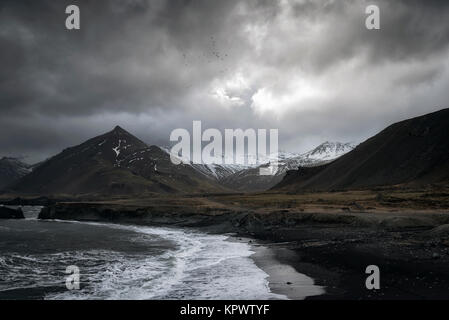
[
  {"x": 329, "y": 151},
  {"x": 218, "y": 171},
  {"x": 251, "y": 180},
  {"x": 286, "y": 161},
  {"x": 324, "y": 153}
]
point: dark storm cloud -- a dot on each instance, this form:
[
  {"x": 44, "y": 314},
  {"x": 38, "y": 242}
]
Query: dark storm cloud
[
  {"x": 409, "y": 30},
  {"x": 310, "y": 68}
]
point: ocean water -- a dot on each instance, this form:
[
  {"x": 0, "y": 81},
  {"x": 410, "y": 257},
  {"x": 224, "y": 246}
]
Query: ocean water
[{"x": 124, "y": 262}]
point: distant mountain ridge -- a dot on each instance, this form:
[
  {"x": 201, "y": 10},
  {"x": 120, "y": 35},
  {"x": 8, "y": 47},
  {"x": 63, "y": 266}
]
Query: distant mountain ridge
[
  {"x": 328, "y": 151},
  {"x": 11, "y": 170},
  {"x": 247, "y": 178},
  {"x": 413, "y": 152}
]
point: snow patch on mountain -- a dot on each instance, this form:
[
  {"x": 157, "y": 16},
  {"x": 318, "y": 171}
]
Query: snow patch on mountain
[
  {"x": 329, "y": 151},
  {"x": 324, "y": 153}
]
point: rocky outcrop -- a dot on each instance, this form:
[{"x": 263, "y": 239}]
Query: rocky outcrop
[
  {"x": 40, "y": 201},
  {"x": 215, "y": 218},
  {"x": 224, "y": 220},
  {"x": 9, "y": 213}
]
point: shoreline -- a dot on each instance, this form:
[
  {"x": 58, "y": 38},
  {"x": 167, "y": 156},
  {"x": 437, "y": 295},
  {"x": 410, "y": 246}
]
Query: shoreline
[
  {"x": 283, "y": 278},
  {"x": 410, "y": 248}
]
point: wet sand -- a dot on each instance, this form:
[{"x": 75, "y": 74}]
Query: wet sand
[
  {"x": 413, "y": 262},
  {"x": 283, "y": 278}
]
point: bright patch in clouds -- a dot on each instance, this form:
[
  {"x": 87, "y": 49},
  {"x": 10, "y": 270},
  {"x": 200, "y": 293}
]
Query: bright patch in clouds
[
  {"x": 298, "y": 97},
  {"x": 230, "y": 92}
]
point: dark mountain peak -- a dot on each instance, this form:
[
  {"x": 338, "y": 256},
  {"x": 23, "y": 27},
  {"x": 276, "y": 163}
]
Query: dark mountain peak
[
  {"x": 114, "y": 144},
  {"x": 116, "y": 162},
  {"x": 411, "y": 152},
  {"x": 120, "y": 130}
]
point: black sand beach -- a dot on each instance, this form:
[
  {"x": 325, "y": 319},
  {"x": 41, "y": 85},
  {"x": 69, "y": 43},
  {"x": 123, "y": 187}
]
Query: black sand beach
[
  {"x": 408, "y": 270},
  {"x": 333, "y": 248}
]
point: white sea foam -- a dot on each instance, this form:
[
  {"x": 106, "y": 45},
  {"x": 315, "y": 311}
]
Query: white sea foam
[
  {"x": 149, "y": 263},
  {"x": 201, "y": 267}
]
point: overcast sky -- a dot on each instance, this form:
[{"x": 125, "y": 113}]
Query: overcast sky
[{"x": 309, "y": 68}]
